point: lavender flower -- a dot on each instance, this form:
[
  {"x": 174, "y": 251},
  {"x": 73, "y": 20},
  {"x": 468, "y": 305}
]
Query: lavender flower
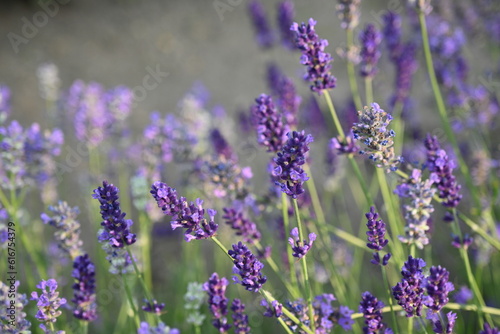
[
  {"x": 90, "y": 115},
  {"x": 348, "y": 12},
  {"x": 190, "y": 216},
  {"x": 193, "y": 299},
  {"x": 314, "y": 56},
  {"x": 440, "y": 165},
  {"x": 116, "y": 229},
  {"x": 324, "y": 311},
  {"x": 248, "y": 267},
  {"x": 392, "y": 34},
  {"x": 220, "y": 145},
  {"x": 288, "y": 170},
  {"x": 271, "y": 130},
  {"x": 370, "y": 39},
  {"x": 145, "y": 328},
  {"x": 437, "y": 287},
  {"x": 464, "y": 295},
  {"x": 289, "y": 101},
  {"x": 153, "y": 307},
  {"x": 370, "y": 306},
  {"x": 409, "y": 292},
  {"x": 84, "y": 289},
  {"x": 372, "y": 130},
  {"x": 464, "y": 243},
  {"x": 487, "y": 329},
  {"x": 406, "y": 65},
  {"x": 217, "y": 301},
  {"x": 346, "y": 145},
  {"x": 438, "y": 326},
  {"x": 5, "y": 105},
  {"x": 49, "y": 82},
  {"x": 418, "y": 210},
  {"x": 273, "y": 311},
  {"x": 67, "y": 228},
  {"x": 48, "y": 303},
  {"x": 265, "y": 36},
  {"x": 8, "y": 323},
  {"x": 224, "y": 177},
  {"x": 240, "y": 319},
  {"x": 300, "y": 247},
  {"x": 286, "y": 13},
  {"x": 243, "y": 226},
  {"x": 13, "y": 173},
  {"x": 376, "y": 236}
]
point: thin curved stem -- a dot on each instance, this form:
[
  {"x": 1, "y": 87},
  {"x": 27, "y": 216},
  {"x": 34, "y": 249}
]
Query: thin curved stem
[{"x": 304, "y": 266}]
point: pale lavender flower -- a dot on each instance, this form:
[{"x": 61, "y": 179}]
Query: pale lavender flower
[
  {"x": 265, "y": 36},
  {"x": 48, "y": 303},
  {"x": 21, "y": 325}
]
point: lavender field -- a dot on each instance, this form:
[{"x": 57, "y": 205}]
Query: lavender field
[{"x": 250, "y": 167}]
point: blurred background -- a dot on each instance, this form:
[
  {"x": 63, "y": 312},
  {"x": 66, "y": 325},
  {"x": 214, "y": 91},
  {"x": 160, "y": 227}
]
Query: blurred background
[{"x": 187, "y": 43}]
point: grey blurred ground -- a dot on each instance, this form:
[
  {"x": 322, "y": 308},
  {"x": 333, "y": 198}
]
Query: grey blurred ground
[{"x": 113, "y": 42}]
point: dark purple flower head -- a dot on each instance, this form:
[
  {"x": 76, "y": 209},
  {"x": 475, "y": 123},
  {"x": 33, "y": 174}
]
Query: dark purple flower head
[
  {"x": 346, "y": 145},
  {"x": 318, "y": 61},
  {"x": 48, "y": 302},
  {"x": 289, "y": 101},
  {"x": 84, "y": 289},
  {"x": 217, "y": 301},
  {"x": 220, "y": 144},
  {"x": 370, "y": 39},
  {"x": 489, "y": 330},
  {"x": 286, "y": 13},
  {"x": 409, "y": 292},
  {"x": 153, "y": 307},
  {"x": 464, "y": 295},
  {"x": 371, "y": 307},
  {"x": 464, "y": 243},
  {"x": 116, "y": 229},
  {"x": 167, "y": 199},
  {"x": 300, "y": 247},
  {"x": 243, "y": 226},
  {"x": 438, "y": 326},
  {"x": 440, "y": 164},
  {"x": 265, "y": 36},
  {"x": 406, "y": 65},
  {"x": 240, "y": 319},
  {"x": 248, "y": 267},
  {"x": 288, "y": 170},
  {"x": 437, "y": 286},
  {"x": 392, "y": 34},
  {"x": 188, "y": 215},
  {"x": 376, "y": 236},
  {"x": 273, "y": 311},
  {"x": 271, "y": 131}
]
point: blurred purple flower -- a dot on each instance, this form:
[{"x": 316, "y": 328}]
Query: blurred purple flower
[
  {"x": 370, "y": 39},
  {"x": 265, "y": 36},
  {"x": 84, "y": 289},
  {"x": 286, "y": 14},
  {"x": 217, "y": 301}
]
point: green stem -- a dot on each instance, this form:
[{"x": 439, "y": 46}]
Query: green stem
[
  {"x": 389, "y": 296},
  {"x": 468, "y": 269},
  {"x": 304, "y": 267},
  {"x": 85, "y": 326},
  {"x": 335, "y": 118},
  {"x": 318, "y": 210},
  {"x": 292, "y": 289},
  {"x": 286, "y": 224},
  {"x": 410, "y": 325},
  {"x": 442, "y": 110},
  {"x": 131, "y": 301},
  {"x": 351, "y": 73},
  {"x": 145, "y": 227},
  {"x": 369, "y": 91},
  {"x": 269, "y": 298}
]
